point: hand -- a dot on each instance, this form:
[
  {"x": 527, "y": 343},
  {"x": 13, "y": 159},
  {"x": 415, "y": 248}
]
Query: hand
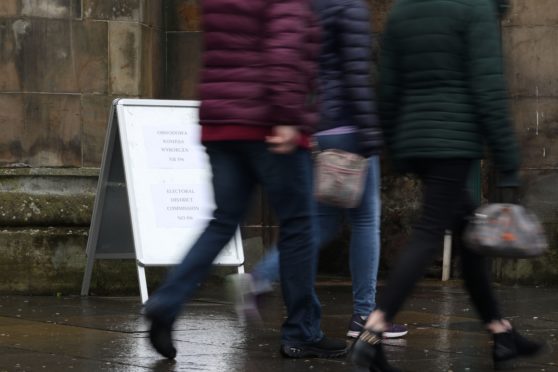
[{"x": 284, "y": 139}]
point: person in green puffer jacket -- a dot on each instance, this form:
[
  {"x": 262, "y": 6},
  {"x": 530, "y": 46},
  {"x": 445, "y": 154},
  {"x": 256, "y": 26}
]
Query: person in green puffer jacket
[
  {"x": 442, "y": 98},
  {"x": 442, "y": 89}
]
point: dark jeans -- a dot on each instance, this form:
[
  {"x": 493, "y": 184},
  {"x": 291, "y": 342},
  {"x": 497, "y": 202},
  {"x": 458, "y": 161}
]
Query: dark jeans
[
  {"x": 237, "y": 167},
  {"x": 364, "y": 249},
  {"x": 446, "y": 205}
]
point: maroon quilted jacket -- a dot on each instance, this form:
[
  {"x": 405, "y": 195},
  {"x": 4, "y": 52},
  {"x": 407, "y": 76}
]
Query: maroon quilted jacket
[{"x": 259, "y": 67}]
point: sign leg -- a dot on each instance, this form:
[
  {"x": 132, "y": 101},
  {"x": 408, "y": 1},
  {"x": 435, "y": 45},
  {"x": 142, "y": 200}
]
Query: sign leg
[
  {"x": 142, "y": 283},
  {"x": 446, "y": 265},
  {"x": 86, "y": 284}
]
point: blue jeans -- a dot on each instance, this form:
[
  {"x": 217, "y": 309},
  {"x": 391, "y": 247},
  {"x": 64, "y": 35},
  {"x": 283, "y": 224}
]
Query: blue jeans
[
  {"x": 364, "y": 254},
  {"x": 237, "y": 167}
]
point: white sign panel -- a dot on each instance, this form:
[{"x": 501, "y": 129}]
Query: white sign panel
[
  {"x": 183, "y": 206},
  {"x": 169, "y": 180},
  {"x": 173, "y": 147}
]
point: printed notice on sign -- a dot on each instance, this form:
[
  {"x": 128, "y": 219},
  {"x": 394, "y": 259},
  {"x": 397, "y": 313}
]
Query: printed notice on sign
[
  {"x": 186, "y": 206},
  {"x": 174, "y": 146}
]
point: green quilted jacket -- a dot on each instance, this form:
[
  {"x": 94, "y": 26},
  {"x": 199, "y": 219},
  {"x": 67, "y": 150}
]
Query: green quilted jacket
[{"x": 442, "y": 92}]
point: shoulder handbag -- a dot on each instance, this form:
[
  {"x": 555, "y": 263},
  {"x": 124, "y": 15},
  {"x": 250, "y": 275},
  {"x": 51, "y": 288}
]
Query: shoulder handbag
[
  {"x": 339, "y": 177},
  {"x": 505, "y": 230}
]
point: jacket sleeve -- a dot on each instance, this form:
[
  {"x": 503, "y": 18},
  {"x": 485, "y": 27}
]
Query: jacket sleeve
[
  {"x": 389, "y": 85},
  {"x": 283, "y": 47},
  {"x": 357, "y": 64},
  {"x": 489, "y": 87}
]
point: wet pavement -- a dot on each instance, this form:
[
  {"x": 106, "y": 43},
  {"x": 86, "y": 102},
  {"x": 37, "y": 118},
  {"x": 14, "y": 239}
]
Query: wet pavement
[{"x": 109, "y": 333}]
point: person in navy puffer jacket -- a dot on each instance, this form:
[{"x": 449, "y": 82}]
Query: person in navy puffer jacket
[
  {"x": 348, "y": 121},
  {"x": 256, "y": 116}
]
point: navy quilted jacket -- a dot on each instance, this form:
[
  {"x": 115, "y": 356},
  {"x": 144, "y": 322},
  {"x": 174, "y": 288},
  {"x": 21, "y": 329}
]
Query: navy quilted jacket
[{"x": 347, "y": 96}]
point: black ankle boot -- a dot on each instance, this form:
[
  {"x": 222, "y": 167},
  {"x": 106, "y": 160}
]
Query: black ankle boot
[
  {"x": 510, "y": 345},
  {"x": 367, "y": 352}
]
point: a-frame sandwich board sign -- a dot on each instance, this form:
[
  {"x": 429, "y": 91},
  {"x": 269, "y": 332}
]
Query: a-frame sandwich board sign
[{"x": 154, "y": 194}]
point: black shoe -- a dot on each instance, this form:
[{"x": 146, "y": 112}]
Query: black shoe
[
  {"x": 367, "y": 352},
  {"x": 510, "y": 345},
  {"x": 325, "y": 348},
  {"x": 393, "y": 330},
  {"x": 160, "y": 335}
]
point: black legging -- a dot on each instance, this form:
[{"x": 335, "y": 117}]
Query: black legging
[{"x": 446, "y": 205}]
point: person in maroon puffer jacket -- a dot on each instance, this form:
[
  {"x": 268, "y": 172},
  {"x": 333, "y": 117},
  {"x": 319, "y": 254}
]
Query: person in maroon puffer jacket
[{"x": 256, "y": 114}]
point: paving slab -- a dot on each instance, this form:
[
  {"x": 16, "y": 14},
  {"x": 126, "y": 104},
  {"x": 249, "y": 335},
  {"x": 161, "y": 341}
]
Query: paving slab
[{"x": 110, "y": 334}]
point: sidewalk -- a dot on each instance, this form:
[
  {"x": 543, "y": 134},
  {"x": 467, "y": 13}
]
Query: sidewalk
[{"x": 109, "y": 334}]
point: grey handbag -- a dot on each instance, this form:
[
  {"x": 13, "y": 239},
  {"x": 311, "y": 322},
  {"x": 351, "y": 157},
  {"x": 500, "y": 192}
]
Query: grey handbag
[
  {"x": 506, "y": 230},
  {"x": 339, "y": 177}
]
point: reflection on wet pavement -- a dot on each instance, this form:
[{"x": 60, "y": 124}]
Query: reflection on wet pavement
[{"x": 109, "y": 334}]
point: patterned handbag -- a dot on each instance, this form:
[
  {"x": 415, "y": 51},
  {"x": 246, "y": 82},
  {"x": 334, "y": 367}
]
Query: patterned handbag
[
  {"x": 506, "y": 230},
  {"x": 339, "y": 177}
]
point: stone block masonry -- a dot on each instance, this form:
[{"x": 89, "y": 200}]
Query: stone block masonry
[{"x": 62, "y": 62}]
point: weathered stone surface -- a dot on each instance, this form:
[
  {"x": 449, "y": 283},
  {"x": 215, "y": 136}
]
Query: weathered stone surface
[
  {"x": 56, "y": 257},
  {"x": 401, "y": 198},
  {"x": 52, "y": 198},
  {"x": 531, "y": 13},
  {"x": 55, "y": 200},
  {"x": 52, "y": 260},
  {"x": 539, "y": 193},
  {"x": 52, "y": 135},
  {"x": 12, "y": 124},
  {"x": 183, "y": 65},
  {"x": 120, "y": 277},
  {"x": 95, "y": 116},
  {"x": 182, "y": 15},
  {"x": 73, "y": 56},
  {"x": 121, "y": 10},
  {"x": 56, "y": 71},
  {"x": 153, "y": 13},
  {"x": 152, "y": 77},
  {"x": 532, "y": 60},
  {"x": 124, "y": 56},
  {"x": 9, "y": 78},
  {"x": 8, "y": 8},
  {"x": 90, "y": 51},
  {"x": 536, "y": 121},
  {"x": 41, "y": 260},
  {"x": 51, "y": 8},
  {"x": 542, "y": 270},
  {"x": 40, "y": 209},
  {"x": 14, "y": 266}
]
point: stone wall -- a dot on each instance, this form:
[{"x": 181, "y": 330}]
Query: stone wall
[
  {"x": 62, "y": 62},
  {"x": 529, "y": 35}
]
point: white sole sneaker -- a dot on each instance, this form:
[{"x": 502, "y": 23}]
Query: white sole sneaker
[{"x": 394, "y": 334}]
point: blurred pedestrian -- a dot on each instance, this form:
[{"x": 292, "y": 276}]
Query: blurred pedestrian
[
  {"x": 442, "y": 95},
  {"x": 258, "y": 69},
  {"x": 348, "y": 121}
]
